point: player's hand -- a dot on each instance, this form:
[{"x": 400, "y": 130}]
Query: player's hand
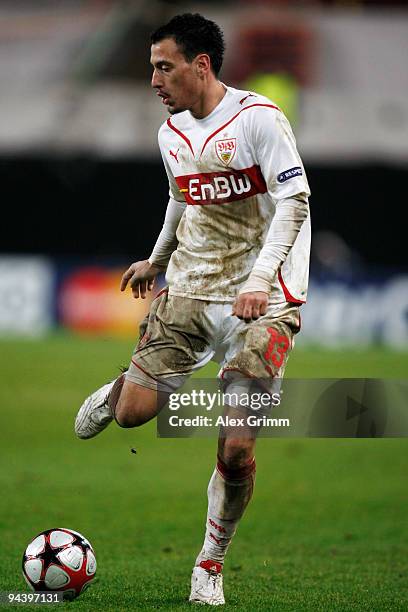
[
  {"x": 250, "y": 306},
  {"x": 140, "y": 276}
]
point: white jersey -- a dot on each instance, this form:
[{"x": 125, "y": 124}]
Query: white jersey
[{"x": 231, "y": 168}]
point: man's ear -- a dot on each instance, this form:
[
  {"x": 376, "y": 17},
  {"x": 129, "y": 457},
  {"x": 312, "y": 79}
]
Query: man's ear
[{"x": 203, "y": 64}]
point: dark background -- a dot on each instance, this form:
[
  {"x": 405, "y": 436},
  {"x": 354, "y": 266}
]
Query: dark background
[{"x": 96, "y": 207}]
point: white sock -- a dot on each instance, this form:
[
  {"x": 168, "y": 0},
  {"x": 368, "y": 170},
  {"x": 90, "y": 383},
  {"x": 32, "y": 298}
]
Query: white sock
[{"x": 229, "y": 492}]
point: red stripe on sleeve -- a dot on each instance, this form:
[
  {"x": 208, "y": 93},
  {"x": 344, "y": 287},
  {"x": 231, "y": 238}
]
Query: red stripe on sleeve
[{"x": 289, "y": 297}]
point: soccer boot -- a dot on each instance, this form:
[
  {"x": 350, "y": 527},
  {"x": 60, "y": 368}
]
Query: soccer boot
[
  {"x": 206, "y": 584},
  {"x": 94, "y": 414}
]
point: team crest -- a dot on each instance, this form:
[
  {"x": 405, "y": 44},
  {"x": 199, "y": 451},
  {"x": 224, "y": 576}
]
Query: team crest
[{"x": 226, "y": 149}]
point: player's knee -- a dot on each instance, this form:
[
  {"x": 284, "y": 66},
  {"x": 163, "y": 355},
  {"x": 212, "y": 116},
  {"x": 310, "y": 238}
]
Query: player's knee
[
  {"x": 129, "y": 413},
  {"x": 136, "y": 405},
  {"x": 125, "y": 415},
  {"x": 236, "y": 453}
]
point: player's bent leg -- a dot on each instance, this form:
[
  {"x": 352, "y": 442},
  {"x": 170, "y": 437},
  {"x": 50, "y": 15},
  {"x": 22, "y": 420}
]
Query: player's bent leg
[
  {"x": 129, "y": 403},
  {"x": 164, "y": 356}
]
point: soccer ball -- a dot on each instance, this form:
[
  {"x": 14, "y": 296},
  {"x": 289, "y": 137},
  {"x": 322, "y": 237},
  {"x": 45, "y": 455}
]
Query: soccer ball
[{"x": 59, "y": 560}]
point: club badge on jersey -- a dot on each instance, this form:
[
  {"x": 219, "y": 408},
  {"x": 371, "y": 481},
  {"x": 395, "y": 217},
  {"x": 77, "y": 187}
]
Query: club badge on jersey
[{"x": 225, "y": 150}]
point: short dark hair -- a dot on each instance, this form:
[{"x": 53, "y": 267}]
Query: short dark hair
[{"x": 194, "y": 34}]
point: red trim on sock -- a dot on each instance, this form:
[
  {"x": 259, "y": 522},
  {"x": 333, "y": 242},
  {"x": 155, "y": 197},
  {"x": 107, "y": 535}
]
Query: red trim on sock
[
  {"x": 241, "y": 473},
  {"x": 211, "y": 566}
]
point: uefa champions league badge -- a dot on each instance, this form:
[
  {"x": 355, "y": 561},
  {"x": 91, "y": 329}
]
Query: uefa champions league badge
[{"x": 225, "y": 150}]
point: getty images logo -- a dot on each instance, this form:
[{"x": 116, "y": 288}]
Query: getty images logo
[{"x": 288, "y": 174}]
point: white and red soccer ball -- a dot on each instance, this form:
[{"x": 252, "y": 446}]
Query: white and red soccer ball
[{"x": 59, "y": 560}]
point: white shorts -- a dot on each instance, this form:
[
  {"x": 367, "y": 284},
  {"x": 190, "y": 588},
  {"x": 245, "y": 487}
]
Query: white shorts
[{"x": 181, "y": 335}]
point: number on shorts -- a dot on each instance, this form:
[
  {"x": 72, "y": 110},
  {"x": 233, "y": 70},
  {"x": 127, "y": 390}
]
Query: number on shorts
[{"x": 277, "y": 347}]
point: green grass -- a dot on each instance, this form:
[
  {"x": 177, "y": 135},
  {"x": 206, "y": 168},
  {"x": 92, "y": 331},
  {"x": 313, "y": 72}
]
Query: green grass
[{"x": 326, "y": 529}]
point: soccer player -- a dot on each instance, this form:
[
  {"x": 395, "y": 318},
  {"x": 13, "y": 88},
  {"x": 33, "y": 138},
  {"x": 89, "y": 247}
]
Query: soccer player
[{"x": 235, "y": 247}]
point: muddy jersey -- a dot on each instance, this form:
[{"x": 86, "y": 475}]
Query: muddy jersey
[{"x": 231, "y": 168}]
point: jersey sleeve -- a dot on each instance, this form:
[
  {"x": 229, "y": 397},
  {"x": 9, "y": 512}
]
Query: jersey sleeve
[
  {"x": 174, "y": 192},
  {"x": 285, "y": 227},
  {"x": 167, "y": 241},
  {"x": 274, "y": 147}
]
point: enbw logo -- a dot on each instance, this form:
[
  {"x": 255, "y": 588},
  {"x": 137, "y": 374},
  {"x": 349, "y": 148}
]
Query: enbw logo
[{"x": 221, "y": 187}]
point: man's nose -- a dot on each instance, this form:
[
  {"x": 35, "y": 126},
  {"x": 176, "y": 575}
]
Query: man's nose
[{"x": 155, "y": 79}]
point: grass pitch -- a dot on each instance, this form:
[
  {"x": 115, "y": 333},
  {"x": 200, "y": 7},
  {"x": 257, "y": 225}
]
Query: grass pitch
[{"x": 326, "y": 529}]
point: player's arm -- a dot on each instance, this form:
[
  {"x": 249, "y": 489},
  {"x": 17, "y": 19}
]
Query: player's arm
[
  {"x": 252, "y": 299},
  {"x": 167, "y": 241},
  {"x": 276, "y": 151},
  {"x": 141, "y": 274}
]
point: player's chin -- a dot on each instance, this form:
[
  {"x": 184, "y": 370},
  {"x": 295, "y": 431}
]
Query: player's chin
[{"x": 173, "y": 109}]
